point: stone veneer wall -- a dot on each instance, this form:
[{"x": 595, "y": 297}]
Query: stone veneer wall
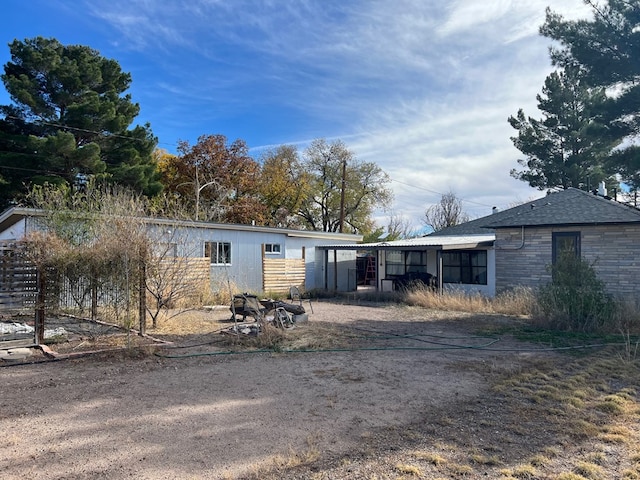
[{"x": 615, "y": 250}]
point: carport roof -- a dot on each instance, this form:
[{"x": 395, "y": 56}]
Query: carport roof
[{"x": 454, "y": 242}]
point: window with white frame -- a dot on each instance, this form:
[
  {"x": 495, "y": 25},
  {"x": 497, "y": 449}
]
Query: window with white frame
[
  {"x": 272, "y": 248},
  {"x": 218, "y": 252}
]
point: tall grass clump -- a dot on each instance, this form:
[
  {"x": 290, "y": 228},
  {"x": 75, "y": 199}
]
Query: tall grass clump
[
  {"x": 454, "y": 300},
  {"x": 517, "y": 301},
  {"x": 576, "y": 299}
]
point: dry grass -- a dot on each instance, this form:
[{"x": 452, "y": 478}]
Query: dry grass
[
  {"x": 305, "y": 336},
  {"x": 409, "y": 470},
  {"x": 188, "y": 322},
  {"x": 589, "y": 470},
  {"x": 557, "y": 438},
  {"x": 429, "y": 457},
  {"x": 309, "y": 454},
  {"x": 518, "y": 301}
]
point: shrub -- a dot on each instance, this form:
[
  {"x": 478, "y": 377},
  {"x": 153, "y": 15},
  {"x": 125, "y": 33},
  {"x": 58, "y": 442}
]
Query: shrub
[{"x": 575, "y": 299}]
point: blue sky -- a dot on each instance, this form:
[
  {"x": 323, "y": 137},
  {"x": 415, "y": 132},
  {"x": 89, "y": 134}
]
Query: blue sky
[{"x": 423, "y": 88}]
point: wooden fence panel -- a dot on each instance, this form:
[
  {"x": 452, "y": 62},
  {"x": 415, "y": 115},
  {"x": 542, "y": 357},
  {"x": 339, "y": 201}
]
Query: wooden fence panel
[
  {"x": 17, "y": 278},
  {"x": 17, "y": 291},
  {"x": 190, "y": 278},
  {"x": 279, "y": 274}
]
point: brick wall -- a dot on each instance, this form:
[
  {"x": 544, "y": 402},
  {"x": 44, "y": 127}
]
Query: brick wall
[{"x": 615, "y": 250}]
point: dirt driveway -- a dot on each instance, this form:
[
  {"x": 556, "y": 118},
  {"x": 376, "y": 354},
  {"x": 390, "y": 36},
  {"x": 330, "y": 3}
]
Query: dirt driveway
[{"x": 219, "y": 416}]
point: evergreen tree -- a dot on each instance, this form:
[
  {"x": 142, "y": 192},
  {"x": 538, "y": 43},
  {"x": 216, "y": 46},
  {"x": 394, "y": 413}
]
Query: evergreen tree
[
  {"x": 70, "y": 117},
  {"x": 607, "y": 49},
  {"x": 567, "y": 147}
]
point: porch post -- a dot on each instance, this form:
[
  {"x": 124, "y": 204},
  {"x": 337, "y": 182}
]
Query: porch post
[
  {"x": 335, "y": 269},
  {"x": 326, "y": 269},
  {"x": 439, "y": 270}
]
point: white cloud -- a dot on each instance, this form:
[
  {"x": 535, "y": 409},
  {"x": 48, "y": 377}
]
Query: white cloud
[{"x": 422, "y": 87}]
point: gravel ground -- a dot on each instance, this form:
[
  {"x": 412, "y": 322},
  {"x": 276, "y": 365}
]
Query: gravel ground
[{"x": 335, "y": 413}]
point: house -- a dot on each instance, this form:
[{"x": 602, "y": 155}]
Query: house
[
  {"x": 515, "y": 247},
  {"x": 529, "y": 238},
  {"x": 249, "y": 257}
]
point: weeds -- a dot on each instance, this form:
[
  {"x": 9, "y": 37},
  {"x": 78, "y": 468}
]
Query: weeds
[
  {"x": 432, "y": 458},
  {"x": 409, "y": 470},
  {"x": 518, "y": 301},
  {"x": 589, "y": 470},
  {"x": 631, "y": 347}
]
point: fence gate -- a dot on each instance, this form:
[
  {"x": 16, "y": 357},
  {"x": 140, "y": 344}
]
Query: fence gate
[{"x": 17, "y": 296}]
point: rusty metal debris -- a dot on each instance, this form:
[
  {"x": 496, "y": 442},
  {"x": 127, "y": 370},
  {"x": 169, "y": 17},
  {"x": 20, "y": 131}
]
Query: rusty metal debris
[{"x": 267, "y": 311}]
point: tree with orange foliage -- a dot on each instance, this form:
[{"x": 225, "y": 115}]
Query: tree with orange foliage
[{"x": 216, "y": 180}]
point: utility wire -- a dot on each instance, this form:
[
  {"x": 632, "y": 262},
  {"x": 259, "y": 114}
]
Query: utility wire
[
  {"x": 85, "y": 130},
  {"x": 115, "y": 135},
  {"x": 438, "y": 193}
]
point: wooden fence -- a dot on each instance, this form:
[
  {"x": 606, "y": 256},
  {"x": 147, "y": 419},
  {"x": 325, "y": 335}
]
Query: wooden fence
[
  {"x": 23, "y": 288},
  {"x": 18, "y": 289},
  {"x": 17, "y": 278},
  {"x": 187, "y": 279},
  {"x": 279, "y": 274}
]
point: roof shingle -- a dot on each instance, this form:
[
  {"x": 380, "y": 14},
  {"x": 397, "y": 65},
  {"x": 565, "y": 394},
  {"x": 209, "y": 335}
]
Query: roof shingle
[{"x": 566, "y": 207}]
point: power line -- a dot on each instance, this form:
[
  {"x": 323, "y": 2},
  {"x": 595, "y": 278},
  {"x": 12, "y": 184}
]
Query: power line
[
  {"x": 85, "y": 130},
  {"x": 115, "y": 135},
  {"x": 35, "y": 170},
  {"x": 438, "y": 193}
]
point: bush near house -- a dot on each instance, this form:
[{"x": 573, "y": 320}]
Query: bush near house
[{"x": 575, "y": 300}]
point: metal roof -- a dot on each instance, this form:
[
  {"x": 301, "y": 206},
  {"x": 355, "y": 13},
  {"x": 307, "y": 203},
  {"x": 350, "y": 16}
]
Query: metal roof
[
  {"x": 14, "y": 214},
  {"x": 453, "y": 242}
]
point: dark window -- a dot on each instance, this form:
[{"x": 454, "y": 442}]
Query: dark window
[
  {"x": 416, "y": 262},
  {"x": 399, "y": 262},
  {"x": 565, "y": 243},
  {"x": 465, "y": 266},
  {"x": 218, "y": 252}
]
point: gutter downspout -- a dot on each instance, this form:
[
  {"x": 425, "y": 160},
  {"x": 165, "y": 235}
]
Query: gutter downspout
[{"x": 519, "y": 247}]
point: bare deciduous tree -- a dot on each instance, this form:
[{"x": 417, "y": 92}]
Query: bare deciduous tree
[
  {"x": 175, "y": 279},
  {"x": 399, "y": 227},
  {"x": 447, "y": 213}
]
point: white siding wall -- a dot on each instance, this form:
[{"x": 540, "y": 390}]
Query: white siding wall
[{"x": 15, "y": 232}]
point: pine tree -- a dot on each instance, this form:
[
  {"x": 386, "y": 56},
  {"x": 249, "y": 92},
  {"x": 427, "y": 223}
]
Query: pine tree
[{"x": 70, "y": 116}]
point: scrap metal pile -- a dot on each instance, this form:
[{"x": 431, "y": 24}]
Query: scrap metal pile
[{"x": 267, "y": 311}]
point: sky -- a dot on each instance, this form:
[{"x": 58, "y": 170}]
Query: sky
[{"x": 422, "y": 88}]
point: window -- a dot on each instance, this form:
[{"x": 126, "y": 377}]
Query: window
[
  {"x": 399, "y": 262},
  {"x": 394, "y": 264},
  {"x": 565, "y": 243},
  {"x": 416, "y": 262},
  {"x": 218, "y": 252},
  {"x": 272, "y": 248},
  {"x": 465, "y": 266}
]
